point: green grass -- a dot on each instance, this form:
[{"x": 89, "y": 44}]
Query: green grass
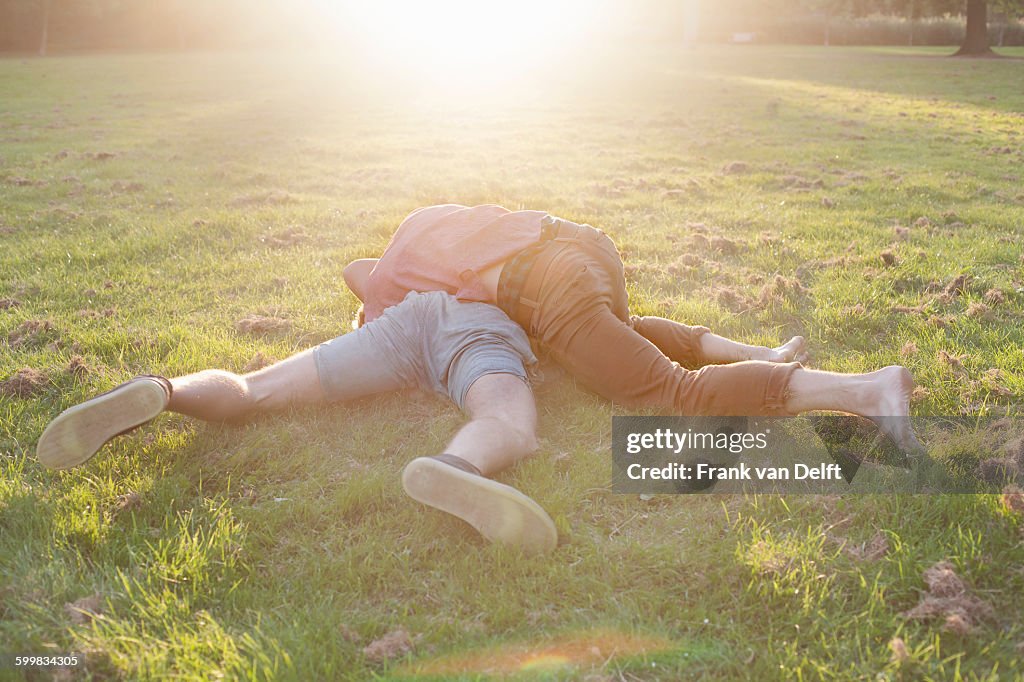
[{"x": 279, "y": 549}]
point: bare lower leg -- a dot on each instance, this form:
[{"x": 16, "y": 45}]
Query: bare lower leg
[
  {"x": 883, "y": 396},
  {"x": 216, "y": 395},
  {"x": 212, "y": 395},
  {"x": 502, "y": 425},
  {"x": 718, "y": 349}
]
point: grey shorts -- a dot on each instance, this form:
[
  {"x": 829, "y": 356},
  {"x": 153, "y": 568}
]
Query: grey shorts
[{"x": 429, "y": 341}]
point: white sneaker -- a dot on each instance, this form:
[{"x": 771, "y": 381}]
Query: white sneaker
[
  {"x": 499, "y": 512},
  {"x": 80, "y": 431}
]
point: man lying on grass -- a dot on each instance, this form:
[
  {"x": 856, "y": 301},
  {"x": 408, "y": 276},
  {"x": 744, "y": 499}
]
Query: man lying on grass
[
  {"x": 564, "y": 284},
  {"x": 471, "y": 352}
]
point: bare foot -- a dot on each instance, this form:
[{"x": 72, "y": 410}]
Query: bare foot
[
  {"x": 794, "y": 350},
  {"x": 890, "y": 407}
]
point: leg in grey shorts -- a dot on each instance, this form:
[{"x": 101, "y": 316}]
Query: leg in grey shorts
[{"x": 430, "y": 341}]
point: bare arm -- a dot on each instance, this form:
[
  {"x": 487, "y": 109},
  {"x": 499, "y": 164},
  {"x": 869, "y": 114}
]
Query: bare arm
[{"x": 356, "y": 274}]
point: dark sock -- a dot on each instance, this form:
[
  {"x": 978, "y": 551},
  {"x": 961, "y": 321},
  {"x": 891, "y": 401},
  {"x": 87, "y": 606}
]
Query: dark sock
[
  {"x": 458, "y": 463},
  {"x": 163, "y": 381}
]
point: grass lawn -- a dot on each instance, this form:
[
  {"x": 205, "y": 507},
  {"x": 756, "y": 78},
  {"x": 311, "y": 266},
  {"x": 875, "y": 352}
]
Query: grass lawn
[{"x": 150, "y": 202}]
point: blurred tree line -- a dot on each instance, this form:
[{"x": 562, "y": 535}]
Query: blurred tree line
[
  {"x": 973, "y": 24},
  {"x": 44, "y": 26}
]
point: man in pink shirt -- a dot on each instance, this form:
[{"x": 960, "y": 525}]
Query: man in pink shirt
[{"x": 563, "y": 283}]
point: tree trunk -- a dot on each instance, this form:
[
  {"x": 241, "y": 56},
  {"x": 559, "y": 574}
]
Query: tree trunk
[
  {"x": 911, "y": 20},
  {"x": 976, "y": 38},
  {"x": 45, "y": 37}
]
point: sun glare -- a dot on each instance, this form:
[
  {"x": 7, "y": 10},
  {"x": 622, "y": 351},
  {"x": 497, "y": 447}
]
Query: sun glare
[{"x": 459, "y": 40}]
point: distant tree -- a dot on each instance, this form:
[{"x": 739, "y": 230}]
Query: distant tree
[
  {"x": 31, "y": 19},
  {"x": 976, "y": 37},
  {"x": 44, "y": 34}
]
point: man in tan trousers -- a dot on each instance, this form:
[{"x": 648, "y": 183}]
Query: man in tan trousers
[{"x": 563, "y": 283}]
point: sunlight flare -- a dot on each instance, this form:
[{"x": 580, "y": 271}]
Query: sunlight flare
[{"x": 457, "y": 40}]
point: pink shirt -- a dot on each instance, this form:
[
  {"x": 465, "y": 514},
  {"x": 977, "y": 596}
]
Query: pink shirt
[{"x": 445, "y": 248}]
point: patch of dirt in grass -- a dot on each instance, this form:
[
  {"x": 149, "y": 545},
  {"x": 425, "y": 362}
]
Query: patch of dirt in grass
[
  {"x": 948, "y": 597},
  {"x": 836, "y": 262},
  {"x": 128, "y": 501},
  {"x": 24, "y": 383},
  {"x": 779, "y": 289},
  {"x": 736, "y": 168},
  {"x": 259, "y": 325},
  {"x": 994, "y": 380},
  {"x": 899, "y": 650},
  {"x": 889, "y": 258},
  {"x": 119, "y": 187},
  {"x": 288, "y": 237},
  {"x": 691, "y": 260},
  {"x": 33, "y": 333},
  {"x": 979, "y": 311},
  {"x": 606, "y": 190},
  {"x": 258, "y": 361},
  {"x": 698, "y": 241},
  {"x": 902, "y": 233},
  {"x": 9, "y": 303},
  {"x": 797, "y": 182},
  {"x": 1013, "y": 499},
  {"x": 274, "y": 197},
  {"x": 392, "y": 645},
  {"x": 872, "y": 550},
  {"x": 63, "y": 213},
  {"x": 348, "y": 634},
  {"x": 91, "y": 314},
  {"x": 732, "y": 299},
  {"x": 78, "y": 367},
  {"x": 82, "y": 611},
  {"x": 26, "y": 182},
  {"x": 723, "y": 245},
  {"x": 908, "y": 349},
  {"x": 689, "y": 188},
  {"x": 954, "y": 363},
  {"x": 957, "y": 285},
  {"x": 911, "y": 310},
  {"x": 1004, "y": 470},
  {"x": 995, "y": 297},
  {"x": 101, "y": 156}
]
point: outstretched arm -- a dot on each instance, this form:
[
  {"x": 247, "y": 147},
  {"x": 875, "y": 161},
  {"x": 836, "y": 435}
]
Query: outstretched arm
[{"x": 356, "y": 274}]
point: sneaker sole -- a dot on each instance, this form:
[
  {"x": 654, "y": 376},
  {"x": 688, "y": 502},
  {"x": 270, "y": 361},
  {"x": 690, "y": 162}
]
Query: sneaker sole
[
  {"x": 80, "y": 431},
  {"x": 499, "y": 512}
]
